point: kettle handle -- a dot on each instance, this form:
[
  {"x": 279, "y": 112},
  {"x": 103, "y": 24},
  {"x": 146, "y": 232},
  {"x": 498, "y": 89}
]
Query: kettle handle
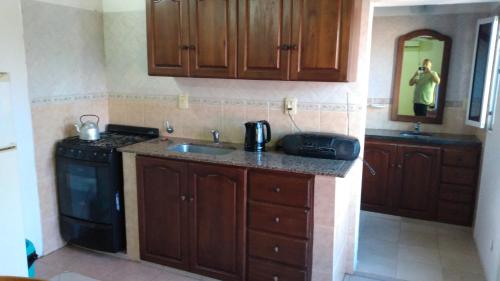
[
  {"x": 268, "y": 130},
  {"x": 89, "y": 115}
]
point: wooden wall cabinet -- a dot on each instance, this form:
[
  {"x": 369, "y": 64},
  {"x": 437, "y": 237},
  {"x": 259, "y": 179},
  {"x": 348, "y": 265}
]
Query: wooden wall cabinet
[
  {"x": 192, "y": 216},
  {"x": 195, "y": 38},
  {"x": 421, "y": 181},
  {"x": 298, "y": 40}
]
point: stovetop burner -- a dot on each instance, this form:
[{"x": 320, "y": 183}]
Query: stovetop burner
[{"x": 107, "y": 141}]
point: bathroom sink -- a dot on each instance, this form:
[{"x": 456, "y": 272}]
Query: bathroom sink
[
  {"x": 415, "y": 134},
  {"x": 215, "y": 149}
]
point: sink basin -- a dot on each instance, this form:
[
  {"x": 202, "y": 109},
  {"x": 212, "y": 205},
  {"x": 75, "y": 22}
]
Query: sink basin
[
  {"x": 202, "y": 149},
  {"x": 415, "y": 134}
]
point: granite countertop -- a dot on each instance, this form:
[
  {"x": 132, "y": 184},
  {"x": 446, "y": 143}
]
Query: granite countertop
[
  {"x": 272, "y": 160},
  {"x": 435, "y": 138}
]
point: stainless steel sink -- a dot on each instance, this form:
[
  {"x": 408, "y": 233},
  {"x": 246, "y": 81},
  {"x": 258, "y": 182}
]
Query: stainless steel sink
[
  {"x": 215, "y": 149},
  {"x": 415, "y": 134}
]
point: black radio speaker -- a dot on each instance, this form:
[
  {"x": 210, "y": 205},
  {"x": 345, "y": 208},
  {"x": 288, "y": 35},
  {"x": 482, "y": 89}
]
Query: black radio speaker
[{"x": 321, "y": 145}]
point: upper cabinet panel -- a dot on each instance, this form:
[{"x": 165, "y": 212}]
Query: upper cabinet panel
[
  {"x": 302, "y": 40},
  {"x": 213, "y": 30},
  {"x": 168, "y": 37},
  {"x": 264, "y": 33},
  {"x": 320, "y": 43}
]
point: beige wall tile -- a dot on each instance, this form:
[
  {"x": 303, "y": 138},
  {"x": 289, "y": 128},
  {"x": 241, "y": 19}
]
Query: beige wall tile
[
  {"x": 233, "y": 123},
  {"x": 333, "y": 122}
]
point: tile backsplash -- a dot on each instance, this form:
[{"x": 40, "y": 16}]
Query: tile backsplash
[{"x": 227, "y": 115}]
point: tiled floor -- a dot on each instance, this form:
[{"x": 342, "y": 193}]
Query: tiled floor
[
  {"x": 415, "y": 250},
  {"x": 390, "y": 248},
  {"x": 106, "y": 267}
]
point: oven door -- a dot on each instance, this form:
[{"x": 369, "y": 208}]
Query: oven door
[{"x": 86, "y": 190}]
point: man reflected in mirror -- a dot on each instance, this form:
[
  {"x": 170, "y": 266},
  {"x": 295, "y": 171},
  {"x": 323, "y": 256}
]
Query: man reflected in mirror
[{"x": 425, "y": 81}]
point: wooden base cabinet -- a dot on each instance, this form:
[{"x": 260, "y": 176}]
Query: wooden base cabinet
[
  {"x": 429, "y": 182},
  {"x": 192, "y": 216}
]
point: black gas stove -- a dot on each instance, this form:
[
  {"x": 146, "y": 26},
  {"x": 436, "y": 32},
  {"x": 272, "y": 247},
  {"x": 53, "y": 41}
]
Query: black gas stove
[{"x": 90, "y": 187}]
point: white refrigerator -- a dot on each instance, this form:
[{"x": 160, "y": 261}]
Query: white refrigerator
[{"x": 12, "y": 247}]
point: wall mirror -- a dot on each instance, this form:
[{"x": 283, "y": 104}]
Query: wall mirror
[{"x": 419, "y": 90}]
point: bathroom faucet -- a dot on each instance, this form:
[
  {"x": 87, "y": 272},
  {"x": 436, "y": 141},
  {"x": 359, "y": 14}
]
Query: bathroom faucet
[
  {"x": 417, "y": 127},
  {"x": 216, "y": 136}
]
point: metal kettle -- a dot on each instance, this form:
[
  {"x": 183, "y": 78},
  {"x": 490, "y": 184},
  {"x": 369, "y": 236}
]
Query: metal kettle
[{"x": 88, "y": 130}]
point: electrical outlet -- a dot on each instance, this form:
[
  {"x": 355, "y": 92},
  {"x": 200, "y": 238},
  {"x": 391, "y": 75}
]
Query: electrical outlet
[
  {"x": 183, "y": 101},
  {"x": 291, "y": 106}
]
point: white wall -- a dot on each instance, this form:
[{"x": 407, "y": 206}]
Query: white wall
[
  {"x": 27, "y": 216},
  {"x": 487, "y": 227}
]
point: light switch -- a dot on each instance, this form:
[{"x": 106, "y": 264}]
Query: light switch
[{"x": 183, "y": 101}]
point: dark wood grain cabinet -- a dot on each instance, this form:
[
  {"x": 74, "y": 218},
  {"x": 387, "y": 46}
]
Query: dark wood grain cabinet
[
  {"x": 193, "y": 38},
  {"x": 432, "y": 182},
  {"x": 298, "y": 40},
  {"x": 192, "y": 216}
]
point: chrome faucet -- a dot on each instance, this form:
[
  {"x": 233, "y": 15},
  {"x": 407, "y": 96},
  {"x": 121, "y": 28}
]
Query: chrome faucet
[
  {"x": 216, "y": 136},
  {"x": 168, "y": 128},
  {"x": 417, "y": 127}
]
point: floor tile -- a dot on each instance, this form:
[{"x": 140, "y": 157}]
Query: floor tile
[
  {"x": 381, "y": 229},
  {"x": 169, "y": 276},
  {"x": 420, "y": 239},
  {"x": 132, "y": 271},
  {"x": 454, "y": 275},
  {"x": 45, "y": 271},
  {"x": 378, "y": 248},
  {"x": 71, "y": 276},
  {"x": 461, "y": 262},
  {"x": 419, "y": 254},
  {"x": 419, "y": 226},
  {"x": 417, "y": 271},
  {"x": 377, "y": 265},
  {"x": 464, "y": 246}
]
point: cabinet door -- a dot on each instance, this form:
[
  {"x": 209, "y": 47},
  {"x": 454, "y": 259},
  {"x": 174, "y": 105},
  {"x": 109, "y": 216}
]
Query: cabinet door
[
  {"x": 168, "y": 37},
  {"x": 418, "y": 180},
  {"x": 378, "y": 185},
  {"x": 213, "y": 27},
  {"x": 162, "y": 194},
  {"x": 217, "y": 220},
  {"x": 264, "y": 33},
  {"x": 320, "y": 39}
]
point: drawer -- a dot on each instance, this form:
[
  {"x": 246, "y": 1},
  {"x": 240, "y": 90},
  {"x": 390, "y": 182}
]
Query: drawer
[
  {"x": 278, "y": 248},
  {"x": 279, "y": 219},
  {"x": 458, "y": 175},
  {"x": 259, "y": 270},
  {"x": 284, "y": 189},
  {"x": 457, "y": 193},
  {"x": 456, "y": 213},
  {"x": 461, "y": 157}
]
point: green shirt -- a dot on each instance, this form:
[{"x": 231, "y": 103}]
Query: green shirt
[{"x": 424, "y": 89}]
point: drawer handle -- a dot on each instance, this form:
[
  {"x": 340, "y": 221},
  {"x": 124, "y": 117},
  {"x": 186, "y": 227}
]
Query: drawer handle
[
  {"x": 276, "y": 278},
  {"x": 277, "y": 219},
  {"x": 276, "y": 249},
  {"x": 183, "y": 198},
  {"x": 277, "y": 189}
]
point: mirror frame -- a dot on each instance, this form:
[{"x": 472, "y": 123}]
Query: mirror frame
[{"x": 442, "y": 86}]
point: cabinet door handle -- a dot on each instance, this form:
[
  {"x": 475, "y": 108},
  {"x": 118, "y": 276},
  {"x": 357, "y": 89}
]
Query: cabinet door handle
[
  {"x": 184, "y": 47},
  {"x": 276, "y": 278},
  {"x": 183, "y": 198},
  {"x": 277, "y": 219},
  {"x": 277, "y": 189},
  {"x": 400, "y": 166},
  {"x": 276, "y": 249},
  {"x": 191, "y": 199},
  {"x": 192, "y": 47},
  {"x": 157, "y": 1},
  {"x": 284, "y": 47},
  {"x": 293, "y": 47}
]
